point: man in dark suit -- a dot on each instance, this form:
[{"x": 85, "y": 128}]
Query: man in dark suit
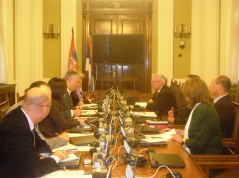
[
  {"x": 73, "y": 81},
  {"x": 21, "y": 148},
  {"x": 219, "y": 89},
  {"x": 163, "y": 99}
]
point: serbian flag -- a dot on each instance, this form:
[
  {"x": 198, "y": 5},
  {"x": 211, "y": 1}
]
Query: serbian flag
[
  {"x": 73, "y": 61},
  {"x": 88, "y": 64}
]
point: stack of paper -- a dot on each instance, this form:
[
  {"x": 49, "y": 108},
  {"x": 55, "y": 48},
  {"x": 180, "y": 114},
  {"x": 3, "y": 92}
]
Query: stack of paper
[
  {"x": 79, "y": 134},
  {"x": 159, "y": 137},
  {"x": 65, "y": 148},
  {"x": 89, "y": 112},
  {"x": 141, "y": 104},
  {"x": 68, "y": 173},
  {"x": 144, "y": 114},
  {"x": 70, "y": 157},
  {"x": 156, "y": 122}
]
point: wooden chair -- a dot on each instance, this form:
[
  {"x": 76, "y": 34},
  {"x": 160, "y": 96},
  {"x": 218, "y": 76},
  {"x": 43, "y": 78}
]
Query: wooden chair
[
  {"x": 228, "y": 162},
  {"x": 233, "y": 90},
  {"x": 237, "y": 93},
  {"x": 176, "y": 88},
  {"x": 20, "y": 98},
  {"x": 4, "y": 106}
]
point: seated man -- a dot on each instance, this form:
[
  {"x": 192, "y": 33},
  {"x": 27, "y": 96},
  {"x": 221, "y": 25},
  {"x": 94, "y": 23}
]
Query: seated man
[
  {"x": 21, "y": 147},
  {"x": 73, "y": 81},
  {"x": 78, "y": 94},
  {"x": 163, "y": 99},
  {"x": 219, "y": 90},
  {"x": 54, "y": 142}
]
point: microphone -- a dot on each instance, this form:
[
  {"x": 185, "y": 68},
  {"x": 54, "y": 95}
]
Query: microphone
[
  {"x": 130, "y": 157},
  {"x": 135, "y": 142},
  {"x": 88, "y": 123}
]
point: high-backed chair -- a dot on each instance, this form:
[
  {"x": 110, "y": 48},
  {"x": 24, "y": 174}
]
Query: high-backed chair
[
  {"x": 4, "y": 106},
  {"x": 20, "y": 98},
  {"x": 237, "y": 93},
  {"x": 176, "y": 88},
  {"x": 228, "y": 162}
]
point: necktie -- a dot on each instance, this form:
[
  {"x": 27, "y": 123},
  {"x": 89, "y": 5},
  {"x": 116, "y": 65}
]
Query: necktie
[
  {"x": 39, "y": 133},
  {"x": 34, "y": 142}
]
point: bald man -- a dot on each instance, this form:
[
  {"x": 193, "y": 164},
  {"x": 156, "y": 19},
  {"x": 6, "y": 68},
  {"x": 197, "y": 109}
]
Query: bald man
[
  {"x": 219, "y": 90},
  {"x": 54, "y": 142},
  {"x": 20, "y": 146}
]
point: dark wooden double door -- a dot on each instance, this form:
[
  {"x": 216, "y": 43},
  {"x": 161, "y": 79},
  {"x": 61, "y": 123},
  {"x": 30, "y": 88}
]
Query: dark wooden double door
[{"x": 121, "y": 75}]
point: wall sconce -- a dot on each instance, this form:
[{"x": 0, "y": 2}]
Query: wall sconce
[
  {"x": 51, "y": 31},
  {"x": 182, "y": 31}
]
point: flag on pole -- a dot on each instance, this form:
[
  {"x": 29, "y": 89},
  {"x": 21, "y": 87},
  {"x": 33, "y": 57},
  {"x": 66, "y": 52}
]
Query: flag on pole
[
  {"x": 88, "y": 65},
  {"x": 73, "y": 61}
]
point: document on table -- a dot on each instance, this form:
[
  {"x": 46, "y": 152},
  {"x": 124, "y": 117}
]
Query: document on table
[
  {"x": 159, "y": 137},
  {"x": 70, "y": 157},
  {"x": 156, "y": 122},
  {"x": 65, "y": 147},
  {"x": 89, "y": 112},
  {"x": 67, "y": 174},
  {"x": 141, "y": 104},
  {"x": 79, "y": 134},
  {"x": 144, "y": 114},
  {"x": 90, "y": 105}
]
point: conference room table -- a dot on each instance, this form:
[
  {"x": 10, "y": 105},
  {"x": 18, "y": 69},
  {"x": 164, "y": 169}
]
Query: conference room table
[{"x": 191, "y": 169}]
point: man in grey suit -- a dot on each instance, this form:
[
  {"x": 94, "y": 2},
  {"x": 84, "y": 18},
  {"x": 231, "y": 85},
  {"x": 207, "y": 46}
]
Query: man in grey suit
[
  {"x": 73, "y": 81},
  {"x": 219, "y": 90}
]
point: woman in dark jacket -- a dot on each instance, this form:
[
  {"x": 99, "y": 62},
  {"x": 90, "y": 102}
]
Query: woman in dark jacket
[
  {"x": 202, "y": 133},
  {"x": 55, "y": 123}
]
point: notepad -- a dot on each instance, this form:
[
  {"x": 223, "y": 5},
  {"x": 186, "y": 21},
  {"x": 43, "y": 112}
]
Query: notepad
[{"x": 73, "y": 161}]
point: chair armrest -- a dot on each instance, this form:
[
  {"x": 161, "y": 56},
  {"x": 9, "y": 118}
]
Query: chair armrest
[
  {"x": 208, "y": 162},
  {"x": 216, "y": 158},
  {"x": 228, "y": 142}
]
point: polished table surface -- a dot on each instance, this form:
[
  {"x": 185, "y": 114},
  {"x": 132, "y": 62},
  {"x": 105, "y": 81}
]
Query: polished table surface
[{"x": 191, "y": 169}]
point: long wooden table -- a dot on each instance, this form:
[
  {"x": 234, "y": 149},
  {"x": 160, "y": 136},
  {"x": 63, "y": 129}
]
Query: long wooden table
[{"x": 191, "y": 169}]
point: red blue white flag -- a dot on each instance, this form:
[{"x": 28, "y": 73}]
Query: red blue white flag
[
  {"x": 88, "y": 66},
  {"x": 73, "y": 61}
]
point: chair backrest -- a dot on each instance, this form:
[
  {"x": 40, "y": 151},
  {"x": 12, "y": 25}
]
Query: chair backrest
[
  {"x": 4, "y": 106},
  {"x": 237, "y": 93},
  {"x": 235, "y": 132},
  {"x": 176, "y": 88},
  {"x": 233, "y": 90},
  {"x": 20, "y": 98}
]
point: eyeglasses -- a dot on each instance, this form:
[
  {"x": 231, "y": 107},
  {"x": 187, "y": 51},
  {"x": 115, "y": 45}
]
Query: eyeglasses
[
  {"x": 155, "y": 81},
  {"x": 50, "y": 106}
]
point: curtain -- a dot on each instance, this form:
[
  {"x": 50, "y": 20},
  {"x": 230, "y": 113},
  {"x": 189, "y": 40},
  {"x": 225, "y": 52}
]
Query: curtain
[
  {"x": 234, "y": 44},
  {"x": 3, "y": 73}
]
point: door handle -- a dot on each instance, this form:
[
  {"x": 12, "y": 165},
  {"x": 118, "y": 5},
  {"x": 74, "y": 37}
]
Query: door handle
[{"x": 113, "y": 72}]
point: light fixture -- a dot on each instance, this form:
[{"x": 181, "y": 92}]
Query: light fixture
[
  {"x": 182, "y": 31},
  {"x": 51, "y": 31}
]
